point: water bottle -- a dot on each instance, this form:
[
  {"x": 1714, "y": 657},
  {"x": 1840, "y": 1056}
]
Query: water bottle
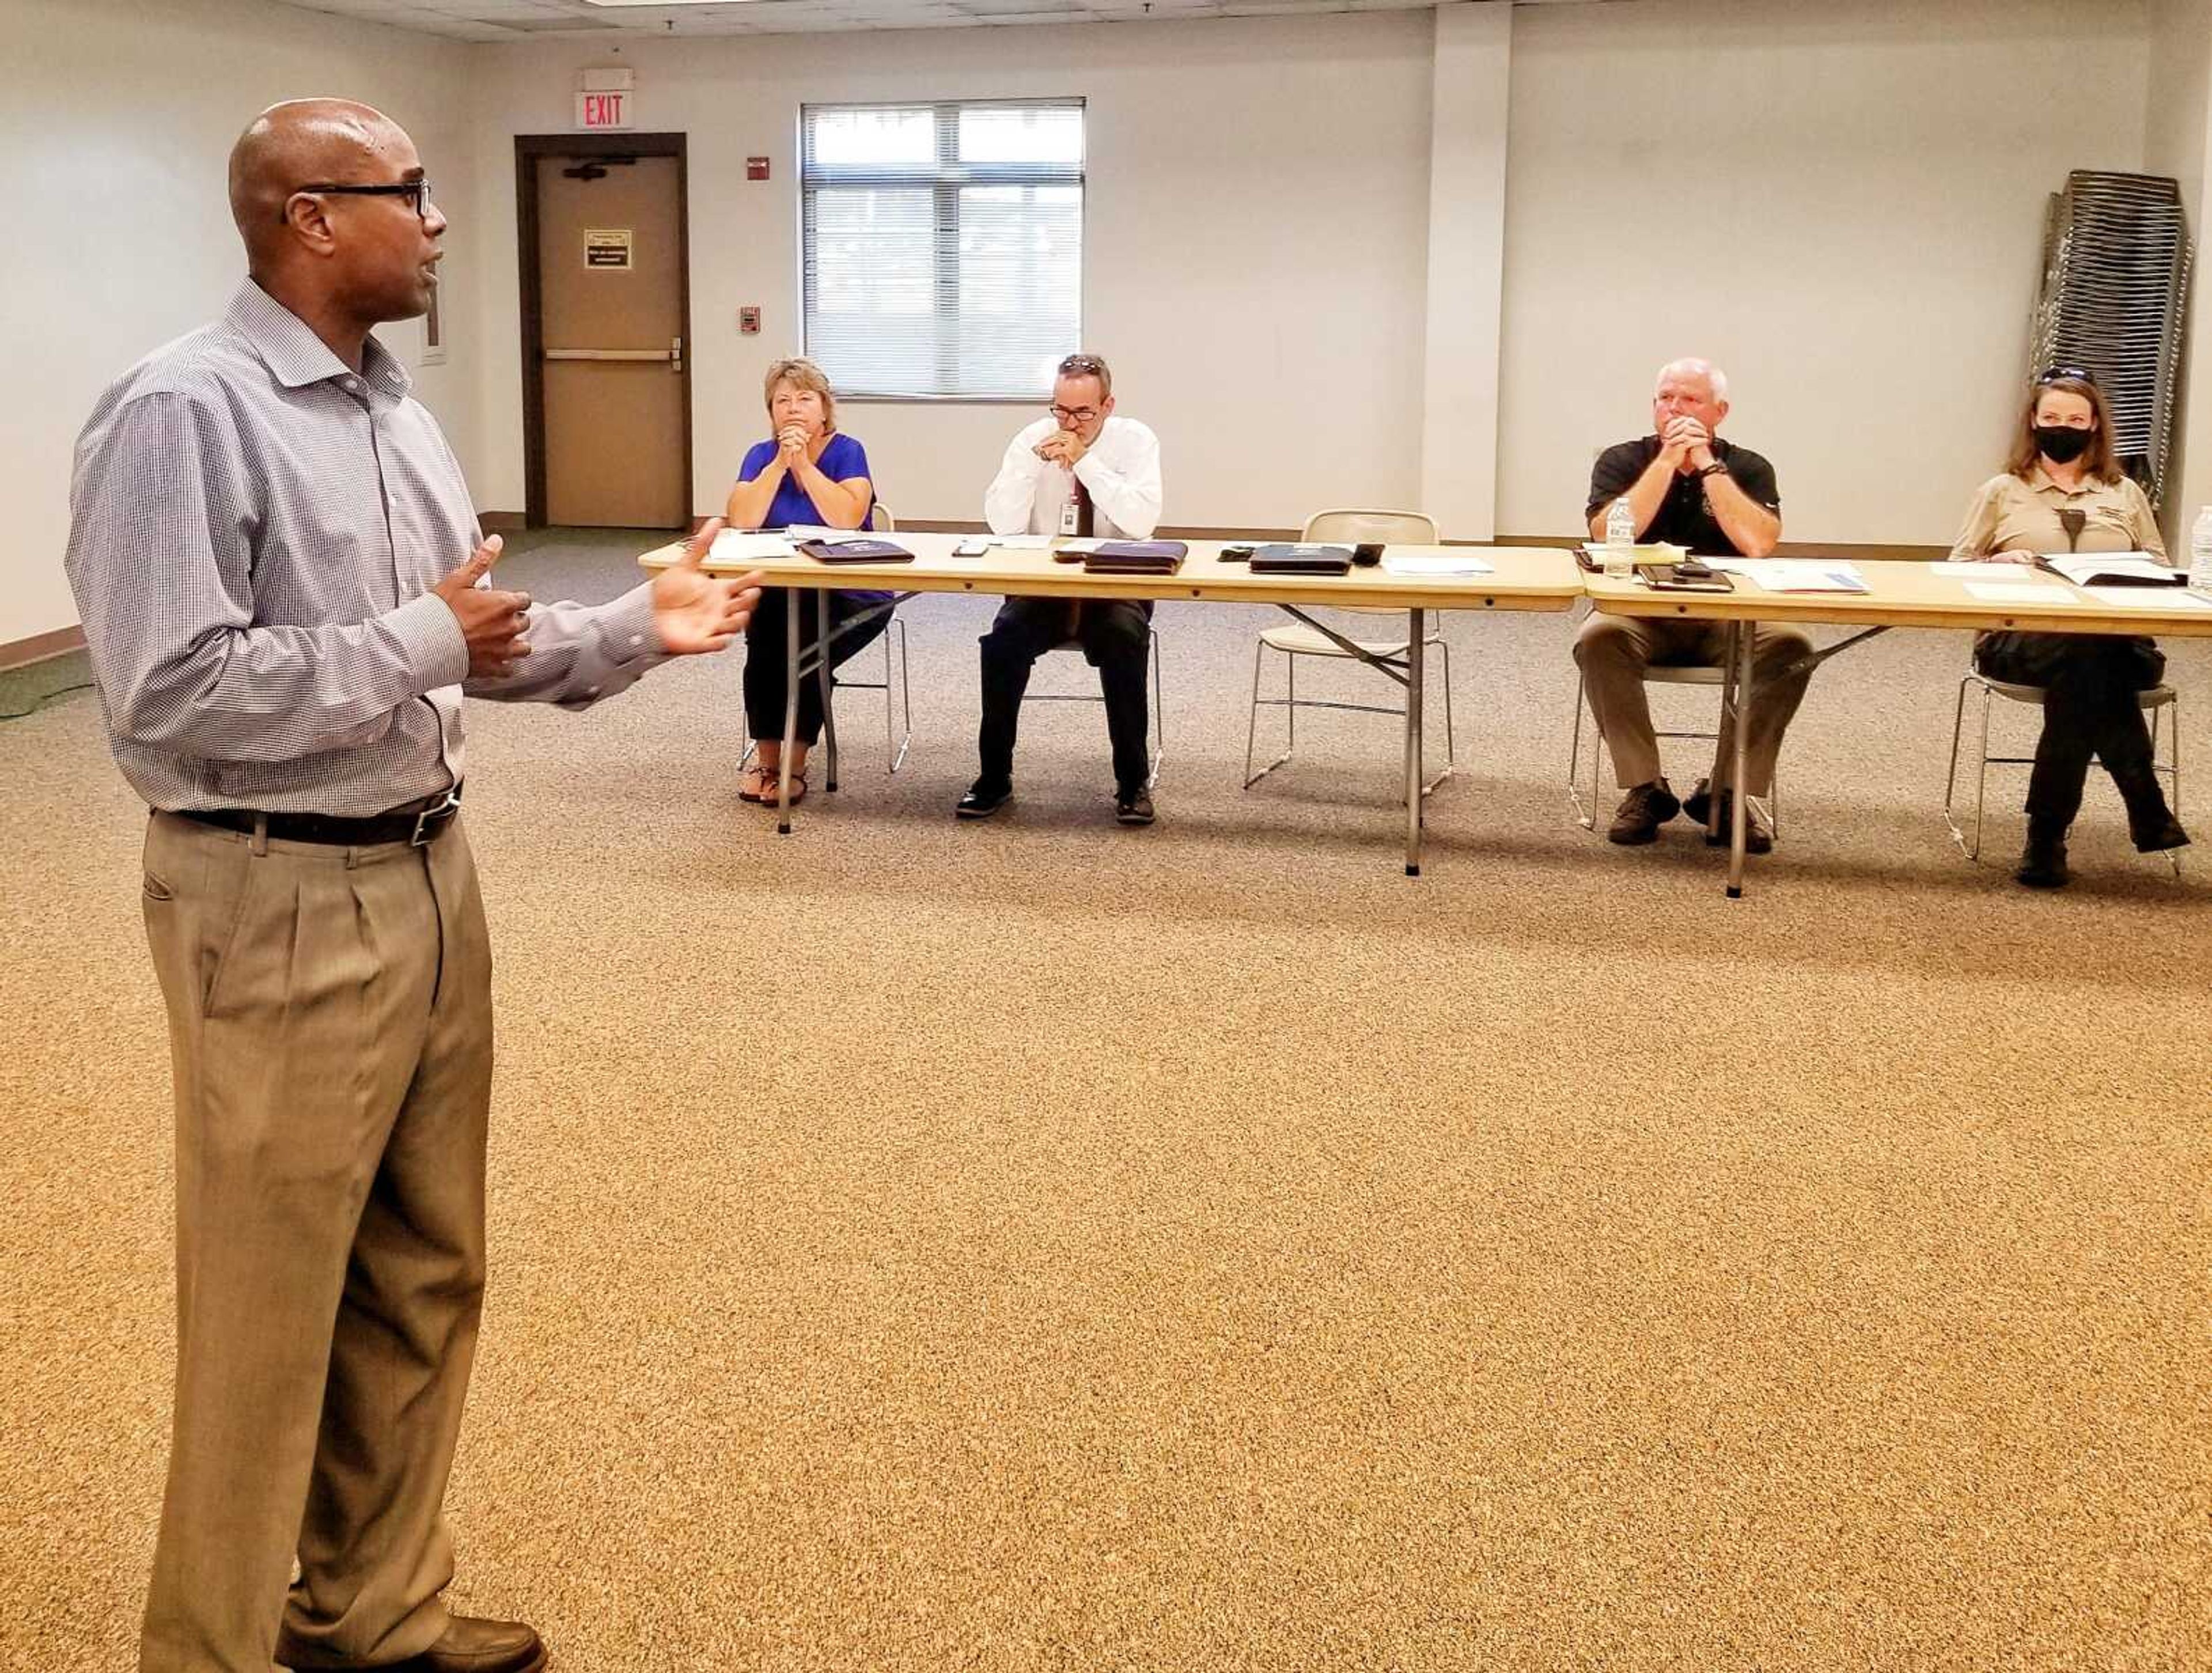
[
  {"x": 2200, "y": 553},
  {"x": 1620, "y": 536}
]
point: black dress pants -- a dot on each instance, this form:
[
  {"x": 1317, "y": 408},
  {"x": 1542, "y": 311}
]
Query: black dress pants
[
  {"x": 2090, "y": 709},
  {"x": 766, "y": 664},
  {"x": 1115, "y": 636}
]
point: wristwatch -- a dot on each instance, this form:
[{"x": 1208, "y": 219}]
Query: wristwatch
[{"x": 1716, "y": 469}]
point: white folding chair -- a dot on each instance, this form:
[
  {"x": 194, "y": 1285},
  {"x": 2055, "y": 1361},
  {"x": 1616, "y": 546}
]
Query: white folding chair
[
  {"x": 1657, "y": 673},
  {"x": 2154, "y": 701},
  {"x": 1293, "y": 641},
  {"x": 896, "y": 736}
]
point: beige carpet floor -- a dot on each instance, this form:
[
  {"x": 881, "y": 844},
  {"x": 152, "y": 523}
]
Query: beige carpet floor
[{"x": 1044, "y": 1246}]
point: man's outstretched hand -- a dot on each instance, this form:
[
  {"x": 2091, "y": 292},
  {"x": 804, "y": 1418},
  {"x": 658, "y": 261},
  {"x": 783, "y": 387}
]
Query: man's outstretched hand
[
  {"x": 492, "y": 621},
  {"x": 695, "y": 612}
]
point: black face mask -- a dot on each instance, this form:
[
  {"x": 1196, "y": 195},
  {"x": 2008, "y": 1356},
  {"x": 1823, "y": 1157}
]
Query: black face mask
[{"x": 2062, "y": 444}]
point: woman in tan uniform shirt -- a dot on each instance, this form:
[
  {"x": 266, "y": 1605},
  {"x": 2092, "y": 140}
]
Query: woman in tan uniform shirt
[{"x": 2063, "y": 491}]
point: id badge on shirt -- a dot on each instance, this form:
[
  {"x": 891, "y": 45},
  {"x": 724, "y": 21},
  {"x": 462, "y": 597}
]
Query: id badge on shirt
[{"x": 1071, "y": 517}]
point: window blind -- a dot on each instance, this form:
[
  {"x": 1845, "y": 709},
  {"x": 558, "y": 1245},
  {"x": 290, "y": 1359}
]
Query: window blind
[{"x": 942, "y": 244}]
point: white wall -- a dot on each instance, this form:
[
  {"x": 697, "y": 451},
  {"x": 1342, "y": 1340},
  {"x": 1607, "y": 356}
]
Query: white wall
[
  {"x": 1471, "y": 82},
  {"x": 1850, "y": 222},
  {"x": 117, "y": 131},
  {"x": 1254, "y": 233},
  {"x": 1843, "y": 204}
]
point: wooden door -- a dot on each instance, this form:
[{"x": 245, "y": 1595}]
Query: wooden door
[{"x": 614, "y": 363}]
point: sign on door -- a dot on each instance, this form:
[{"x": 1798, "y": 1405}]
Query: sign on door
[{"x": 607, "y": 246}]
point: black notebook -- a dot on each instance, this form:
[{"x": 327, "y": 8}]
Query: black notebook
[
  {"x": 864, "y": 550},
  {"x": 1281, "y": 558},
  {"x": 1135, "y": 557},
  {"x": 1662, "y": 578}
]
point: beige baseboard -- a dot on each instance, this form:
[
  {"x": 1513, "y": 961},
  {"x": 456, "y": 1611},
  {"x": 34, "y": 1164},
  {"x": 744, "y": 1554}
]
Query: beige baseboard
[{"x": 41, "y": 646}]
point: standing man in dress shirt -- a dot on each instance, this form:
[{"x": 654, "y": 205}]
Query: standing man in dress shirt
[
  {"x": 1685, "y": 485},
  {"x": 1080, "y": 470},
  {"x": 278, "y": 565}
]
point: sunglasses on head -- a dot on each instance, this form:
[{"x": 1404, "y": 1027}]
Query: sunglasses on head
[
  {"x": 2065, "y": 374},
  {"x": 1080, "y": 366}
]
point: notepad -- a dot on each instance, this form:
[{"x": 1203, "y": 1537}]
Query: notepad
[
  {"x": 1998, "y": 592},
  {"x": 2146, "y": 597},
  {"x": 1434, "y": 564},
  {"x": 1793, "y": 575},
  {"x": 736, "y": 546},
  {"x": 1989, "y": 572}
]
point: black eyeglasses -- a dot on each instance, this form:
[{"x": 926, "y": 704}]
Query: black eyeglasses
[
  {"x": 417, "y": 191},
  {"x": 2065, "y": 374}
]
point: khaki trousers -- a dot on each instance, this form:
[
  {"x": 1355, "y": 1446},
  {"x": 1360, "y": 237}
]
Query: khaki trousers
[
  {"x": 329, "y": 1030},
  {"x": 1613, "y": 652}
]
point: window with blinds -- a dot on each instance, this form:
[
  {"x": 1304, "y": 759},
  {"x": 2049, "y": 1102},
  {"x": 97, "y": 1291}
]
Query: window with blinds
[{"x": 942, "y": 245}]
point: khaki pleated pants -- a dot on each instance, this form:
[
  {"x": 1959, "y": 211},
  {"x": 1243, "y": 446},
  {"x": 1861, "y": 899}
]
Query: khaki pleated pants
[
  {"x": 330, "y": 1028},
  {"x": 1613, "y": 652}
]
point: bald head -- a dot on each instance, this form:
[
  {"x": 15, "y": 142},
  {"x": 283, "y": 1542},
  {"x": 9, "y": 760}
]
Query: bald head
[{"x": 303, "y": 142}]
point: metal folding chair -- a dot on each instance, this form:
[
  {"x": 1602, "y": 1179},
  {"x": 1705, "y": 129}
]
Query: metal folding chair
[{"x": 2154, "y": 701}]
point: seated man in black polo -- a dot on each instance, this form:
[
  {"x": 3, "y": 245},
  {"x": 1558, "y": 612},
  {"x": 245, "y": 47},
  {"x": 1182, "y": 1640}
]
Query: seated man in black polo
[{"x": 1685, "y": 485}]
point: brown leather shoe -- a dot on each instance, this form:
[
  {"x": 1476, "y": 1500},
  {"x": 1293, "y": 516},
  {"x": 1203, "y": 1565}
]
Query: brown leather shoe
[{"x": 470, "y": 1645}]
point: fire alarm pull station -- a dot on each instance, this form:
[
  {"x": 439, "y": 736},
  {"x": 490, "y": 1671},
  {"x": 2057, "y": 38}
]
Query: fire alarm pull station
[
  {"x": 756, "y": 168},
  {"x": 749, "y": 321}
]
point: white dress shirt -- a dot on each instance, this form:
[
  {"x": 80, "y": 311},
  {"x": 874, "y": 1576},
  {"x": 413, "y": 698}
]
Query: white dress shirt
[{"x": 1122, "y": 470}]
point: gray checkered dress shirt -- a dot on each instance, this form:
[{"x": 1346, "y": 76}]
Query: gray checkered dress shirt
[{"x": 255, "y": 531}]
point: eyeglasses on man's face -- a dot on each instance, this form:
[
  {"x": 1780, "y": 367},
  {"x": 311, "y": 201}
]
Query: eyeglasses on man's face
[
  {"x": 1077, "y": 415},
  {"x": 417, "y": 191}
]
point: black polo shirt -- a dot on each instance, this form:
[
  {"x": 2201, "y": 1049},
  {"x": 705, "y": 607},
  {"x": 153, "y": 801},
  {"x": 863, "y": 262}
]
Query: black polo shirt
[{"x": 1684, "y": 518}]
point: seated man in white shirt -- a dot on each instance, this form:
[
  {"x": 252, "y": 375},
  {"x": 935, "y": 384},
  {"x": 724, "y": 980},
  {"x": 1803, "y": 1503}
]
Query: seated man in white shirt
[{"x": 1080, "y": 472}]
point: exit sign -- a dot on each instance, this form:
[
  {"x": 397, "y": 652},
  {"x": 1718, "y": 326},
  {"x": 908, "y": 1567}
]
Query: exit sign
[{"x": 602, "y": 110}]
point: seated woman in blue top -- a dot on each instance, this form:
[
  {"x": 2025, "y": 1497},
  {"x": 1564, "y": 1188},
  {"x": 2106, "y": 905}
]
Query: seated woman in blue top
[{"x": 806, "y": 472}]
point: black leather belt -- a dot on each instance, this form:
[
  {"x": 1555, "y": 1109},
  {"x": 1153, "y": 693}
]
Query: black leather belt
[{"x": 417, "y": 822}]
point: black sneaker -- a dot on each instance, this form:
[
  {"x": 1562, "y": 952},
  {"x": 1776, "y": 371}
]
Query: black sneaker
[
  {"x": 1758, "y": 834},
  {"x": 1641, "y": 813},
  {"x": 984, "y": 799},
  {"x": 1698, "y": 805},
  {"x": 1133, "y": 806},
  {"x": 2158, "y": 838}
]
